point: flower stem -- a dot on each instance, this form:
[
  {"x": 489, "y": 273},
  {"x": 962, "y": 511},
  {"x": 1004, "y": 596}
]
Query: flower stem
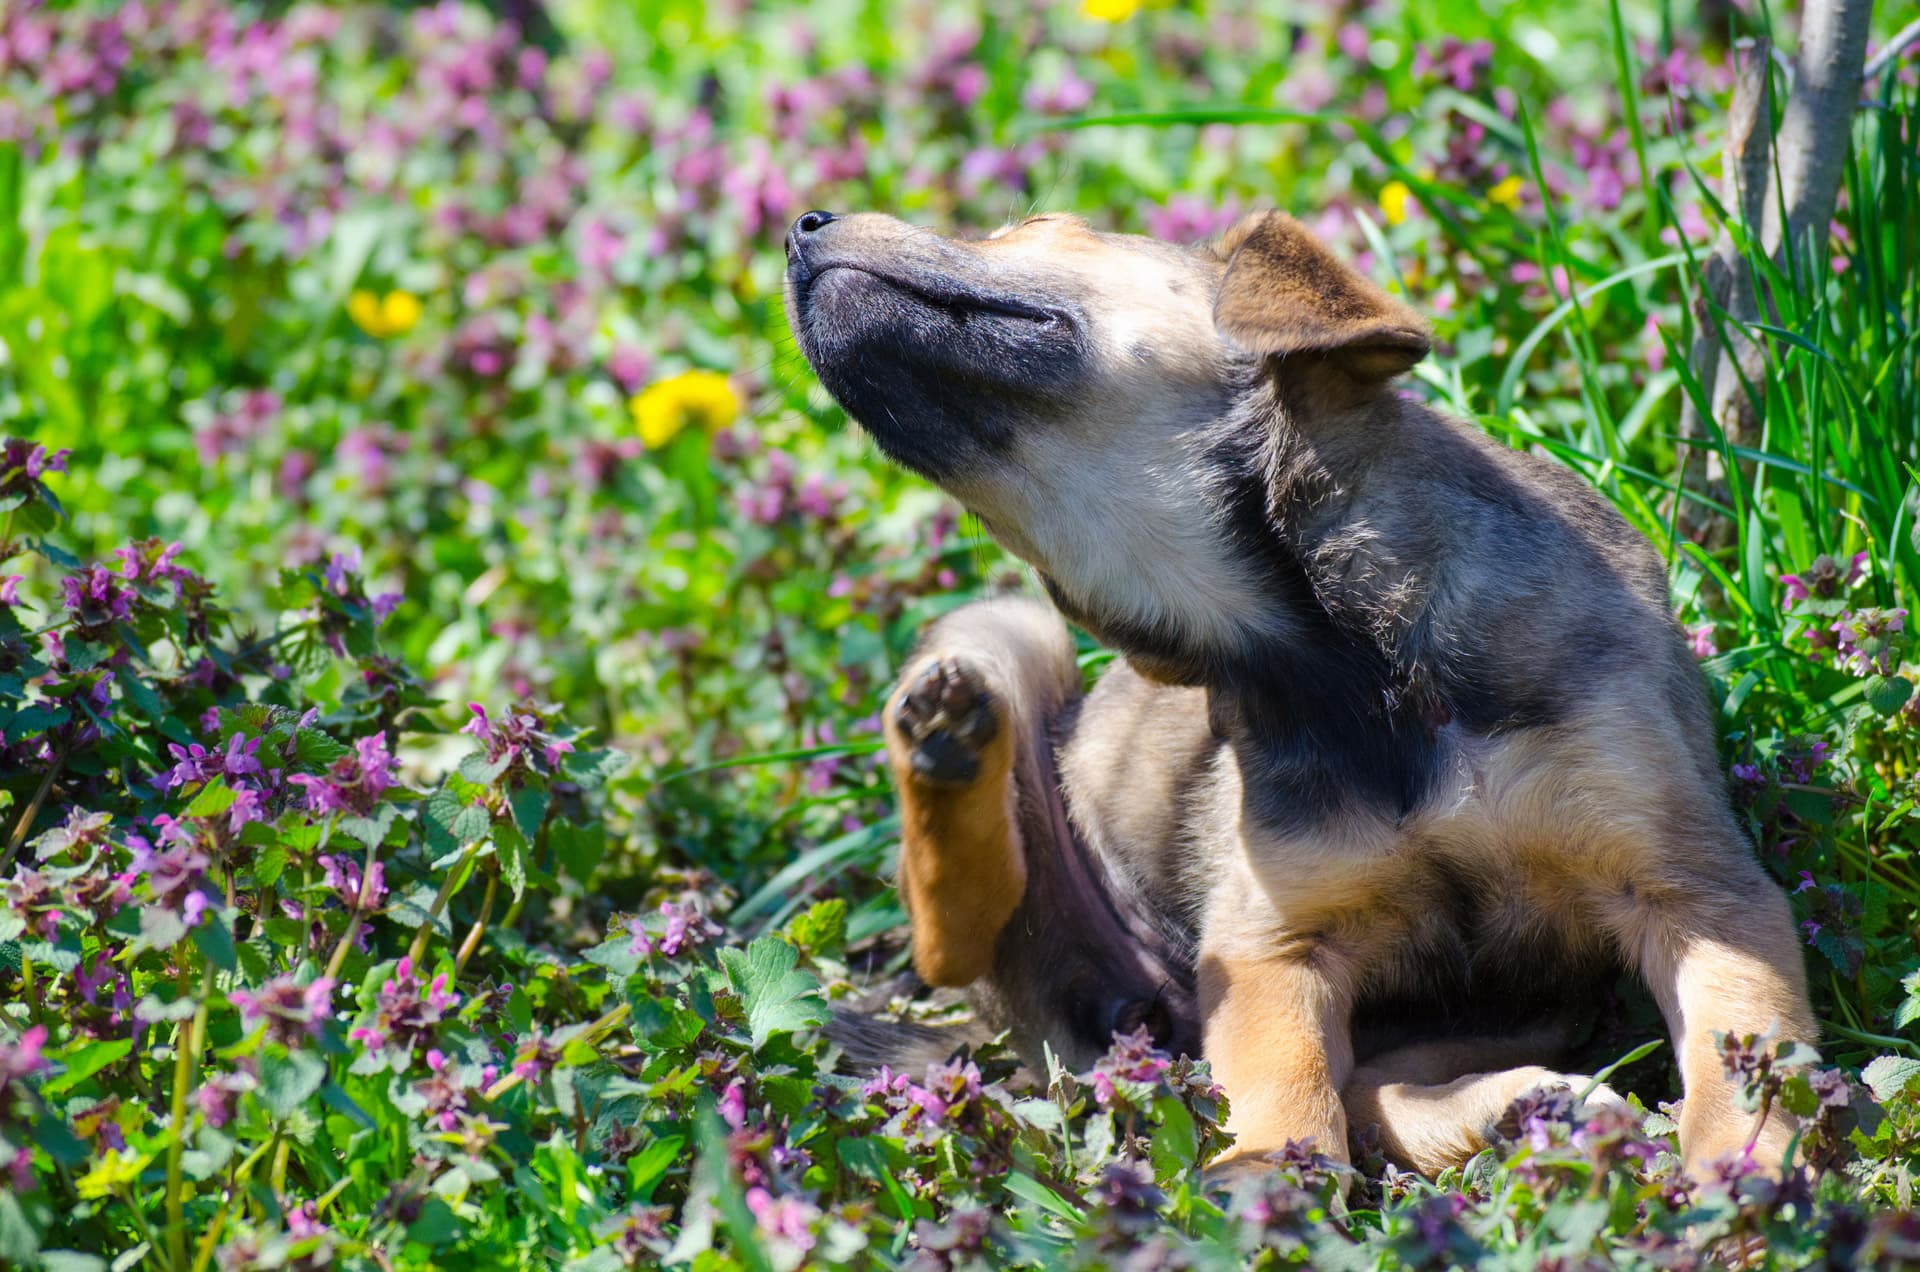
[
  {"x": 32, "y": 810},
  {"x": 472, "y": 943},
  {"x": 440, "y": 899},
  {"x": 360, "y": 902},
  {"x": 592, "y": 1034},
  {"x": 186, "y": 1049}
]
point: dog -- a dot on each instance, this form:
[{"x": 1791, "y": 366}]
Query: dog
[
  {"x": 980, "y": 728},
  {"x": 1403, "y": 714}
]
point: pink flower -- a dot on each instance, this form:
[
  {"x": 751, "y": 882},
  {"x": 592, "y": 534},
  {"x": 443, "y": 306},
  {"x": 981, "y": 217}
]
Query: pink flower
[
  {"x": 783, "y": 1218},
  {"x": 1700, "y": 641},
  {"x": 733, "y": 1104},
  {"x": 289, "y": 1008}
]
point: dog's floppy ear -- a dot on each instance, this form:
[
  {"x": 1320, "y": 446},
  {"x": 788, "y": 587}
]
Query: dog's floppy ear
[{"x": 1285, "y": 293}]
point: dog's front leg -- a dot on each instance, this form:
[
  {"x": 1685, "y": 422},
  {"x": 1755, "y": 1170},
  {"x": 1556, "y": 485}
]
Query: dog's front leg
[{"x": 1275, "y": 1012}]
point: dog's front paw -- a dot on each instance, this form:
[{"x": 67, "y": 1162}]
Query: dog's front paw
[{"x": 945, "y": 718}]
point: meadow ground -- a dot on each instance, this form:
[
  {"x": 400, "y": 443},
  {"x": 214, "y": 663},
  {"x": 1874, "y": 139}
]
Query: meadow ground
[{"x": 365, "y": 363}]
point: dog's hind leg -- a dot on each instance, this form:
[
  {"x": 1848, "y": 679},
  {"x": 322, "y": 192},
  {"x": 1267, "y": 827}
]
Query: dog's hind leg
[
  {"x": 962, "y": 723},
  {"x": 1437, "y": 1104},
  {"x": 1722, "y": 957}
]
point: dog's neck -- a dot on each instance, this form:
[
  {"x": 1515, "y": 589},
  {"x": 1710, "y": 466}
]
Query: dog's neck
[{"x": 1320, "y": 715}]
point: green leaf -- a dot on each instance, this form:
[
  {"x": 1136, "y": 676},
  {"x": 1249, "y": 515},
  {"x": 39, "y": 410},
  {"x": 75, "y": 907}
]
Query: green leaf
[
  {"x": 529, "y": 805},
  {"x": 215, "y": 941},
  {"x": 1887, "y": 694},
  {"x": 476, "y": 768},
  {"x": 462, "y": 820},
  {"x": 372, "y": 829},
  {"x": 288, "y": 1080},
  {"x": 83, "y": 1062},
  {"x": 511, "y": 846},
  {"x": 778, "y": 997},
  {"x": 1909, "y": 1009},
  {"x": 160, "y": 928},
  {"x": 578, "y": 849},
  {"x": 1890, "y": 1076},
  {"x": 822, "y": 930},
  {"x": 71, "y": 1261},
  {"x": 617, "y": 956},
  {"x": 1029, "y": 1189},
  {"x": 268, "y": 865},
  {"x": 215, "y": 797},
  {"x": 22, "y": 1220}
]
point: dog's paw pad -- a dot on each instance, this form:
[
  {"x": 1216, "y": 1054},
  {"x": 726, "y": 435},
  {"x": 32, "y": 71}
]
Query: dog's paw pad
[{"x": 946, "y": 717}]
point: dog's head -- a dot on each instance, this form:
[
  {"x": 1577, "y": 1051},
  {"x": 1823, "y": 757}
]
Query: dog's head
[{"x": 1105, "y": 403}]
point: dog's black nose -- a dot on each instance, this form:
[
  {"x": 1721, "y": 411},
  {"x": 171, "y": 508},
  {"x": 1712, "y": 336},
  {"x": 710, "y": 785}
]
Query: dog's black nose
[{"x": 809, "y": 223}]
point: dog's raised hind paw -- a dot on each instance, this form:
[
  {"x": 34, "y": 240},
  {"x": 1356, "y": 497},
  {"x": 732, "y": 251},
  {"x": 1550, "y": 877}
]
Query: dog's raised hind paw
[{"x": 946, "y": 716}]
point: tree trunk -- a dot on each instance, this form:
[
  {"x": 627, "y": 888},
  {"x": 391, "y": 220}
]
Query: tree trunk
[{"x": 1811, "y": 152}]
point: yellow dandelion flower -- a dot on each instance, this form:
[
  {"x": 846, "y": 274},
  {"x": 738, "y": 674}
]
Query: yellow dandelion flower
[
  {"x": 1110, "y": 10},
  {"x": 399, "y": 311},
  {"x": 381, "y": 316},
  {"x": 663, "y": 410},
  {"x": 1506, "y": 193},
  {"x": 1394, "y": 198},
  {"x": 364, "y": 308}
]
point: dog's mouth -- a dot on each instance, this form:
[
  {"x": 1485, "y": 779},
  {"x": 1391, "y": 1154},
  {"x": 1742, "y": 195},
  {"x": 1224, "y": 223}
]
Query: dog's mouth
[
  {"x": 941, "y": 354},
  {"x": 957, "y": 300}
]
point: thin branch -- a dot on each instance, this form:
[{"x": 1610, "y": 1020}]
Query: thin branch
[{"x": 1907, "y": 36}]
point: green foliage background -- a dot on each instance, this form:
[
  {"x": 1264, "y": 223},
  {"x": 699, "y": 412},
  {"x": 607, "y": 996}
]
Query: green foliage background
[{"x": 361, "y": 303}]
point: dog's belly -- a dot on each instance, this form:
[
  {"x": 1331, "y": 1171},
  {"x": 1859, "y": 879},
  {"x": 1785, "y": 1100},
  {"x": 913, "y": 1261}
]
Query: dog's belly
[{"x": 1475, "y": 947}]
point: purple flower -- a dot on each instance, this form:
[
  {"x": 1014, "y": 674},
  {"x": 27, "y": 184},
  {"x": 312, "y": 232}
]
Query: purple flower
[
  {"x": 241, "y": 758},
  {"x": 1132, "y": 1059},
  {"x": 10, "y": 589},
  {"x": 340, "y": 570},
  {"x": 1456, "y": 62},
  {"x": 174, "y": 872},
  {"x": 23, "y": 1057},
  {"x": 193, "y": 763},
  {"x": 537, "y": 1057},
  {"x": 344, "y": 877},
  {"x": 291, "y": 1010},
  {"x": 247, "y": 807},
  {"x": 733, "y": 1104},
  {"x": 685, "y": 928},
  {"x": 24, "y": 463},
  {"x": 1863, "y": 639},
  {"x": 403, "y": 1016},
  {"x": 445, "y": 1094},
  {"x": 216, "y": 1094},
  {"x": 1824, "y": 578},
  {"x": 353, "y": 783},
  {"x": 1065, "y": 96},
  {"x": 787, "y": 1218},
  {"x": 1188, "y": 219},
  {"x": 516, "y": 736},
  {"x": 96, "y": 597}
]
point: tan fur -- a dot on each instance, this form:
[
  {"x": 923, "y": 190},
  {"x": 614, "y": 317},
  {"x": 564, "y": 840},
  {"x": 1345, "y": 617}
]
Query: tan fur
[
  {"x": 1285, "y": 293},
  {"x": 1594, "y": 825},
  {"x": 962, "y": 866},
  {"x": 1433, "y": 1104}
]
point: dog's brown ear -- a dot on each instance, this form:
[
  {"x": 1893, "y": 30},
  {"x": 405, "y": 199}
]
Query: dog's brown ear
[{"x": 1285, "y": 293}]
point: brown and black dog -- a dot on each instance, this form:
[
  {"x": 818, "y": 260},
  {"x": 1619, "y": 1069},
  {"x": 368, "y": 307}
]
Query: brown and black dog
[{"x": 1403, "y": 717}]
